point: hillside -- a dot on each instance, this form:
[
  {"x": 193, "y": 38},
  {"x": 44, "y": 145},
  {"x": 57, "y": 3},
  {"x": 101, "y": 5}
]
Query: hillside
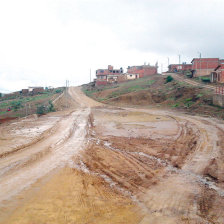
[
  {"x": 153, "y": 91},
  {"x": 24, "y": 105}
]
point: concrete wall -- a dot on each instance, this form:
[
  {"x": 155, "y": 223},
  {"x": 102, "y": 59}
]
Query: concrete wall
[{"x": 218, "y": 100}]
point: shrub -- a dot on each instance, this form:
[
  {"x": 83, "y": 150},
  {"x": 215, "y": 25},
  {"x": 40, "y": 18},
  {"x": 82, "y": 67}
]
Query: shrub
[
  {"x": 175, "y": 105},
  {"x": 51, "y": 107},
  {"x": 169, "y": 78},
  {"x": 58, "y": 90},
  {"x": 16, "y": 105},
  {"x": 205, "y": 79},
  {"x": 41, "y": 110},
  {"x": 188, "y": 99}
]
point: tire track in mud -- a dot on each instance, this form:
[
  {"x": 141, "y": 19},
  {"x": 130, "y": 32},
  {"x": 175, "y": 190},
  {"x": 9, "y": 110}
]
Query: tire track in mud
[
  {"x": 61, "y": 152},
  {"x": 161, "y": 202},
  {"x": 34, "y": 152},
  {"x": 37, "y": 139},
  {"x": 129, "y": 156}
]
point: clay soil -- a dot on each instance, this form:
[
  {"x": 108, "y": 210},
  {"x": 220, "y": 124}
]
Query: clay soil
[{"x": 97, "y": 163}]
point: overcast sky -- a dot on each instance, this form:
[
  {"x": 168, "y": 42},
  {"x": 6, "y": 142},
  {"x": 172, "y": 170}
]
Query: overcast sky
[{"x": 45, "y": 42}]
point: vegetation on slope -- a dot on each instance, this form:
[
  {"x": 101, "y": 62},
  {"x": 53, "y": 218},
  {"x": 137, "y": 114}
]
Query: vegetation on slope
[
  {"x": 19, "y": 106},
  {"x": 158, "y": 91}
]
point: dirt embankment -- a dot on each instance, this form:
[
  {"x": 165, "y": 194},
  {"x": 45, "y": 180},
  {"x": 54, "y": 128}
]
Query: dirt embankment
[{"x": 175, "y": 95}]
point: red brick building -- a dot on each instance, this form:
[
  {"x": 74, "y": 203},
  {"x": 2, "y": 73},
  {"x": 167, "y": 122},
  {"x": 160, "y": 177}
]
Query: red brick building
[
  {"x": 179, "y": 67},
  {"x": 107, "y": 76},
  {"x": 142, "y": 70},
  {"x": 218, "y": 74},
  {"x": 204, "y": 66}
]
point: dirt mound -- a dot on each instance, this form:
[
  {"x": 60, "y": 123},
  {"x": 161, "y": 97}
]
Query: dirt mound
[
  {"x": 136, "y": 98},
  {"x": 104, "y": 93}
]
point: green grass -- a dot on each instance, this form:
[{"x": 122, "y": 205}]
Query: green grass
[
  {"x": 175, "y": 105},
  {"x": 199, "y": 95},
  {"x": 19, "y": 102},
  {"x": 121, "y": 88},
  {"x": 128, "y": 88},
  {"x": 2, "y": 112}
]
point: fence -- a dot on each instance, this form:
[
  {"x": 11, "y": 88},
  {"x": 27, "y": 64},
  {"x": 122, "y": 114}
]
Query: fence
[{"x": 219, "y": 90}]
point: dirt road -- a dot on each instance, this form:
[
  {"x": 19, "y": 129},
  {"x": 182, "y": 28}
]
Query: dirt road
[
  {"x": 191, "y": 82},
  {"x": 95, "y": 163}
]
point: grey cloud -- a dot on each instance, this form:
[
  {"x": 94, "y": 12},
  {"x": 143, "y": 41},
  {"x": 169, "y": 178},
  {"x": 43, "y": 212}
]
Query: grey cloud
[{"x": 162, "y": 27}]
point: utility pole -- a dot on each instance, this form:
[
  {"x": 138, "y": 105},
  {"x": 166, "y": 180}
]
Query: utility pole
[
  {"x": 179, "y": 62},
  {"x": 200, "y": 63},
  {"x": 90, "y": 75},
  {"x": 161, "y": 69},
  {"x": 168, "y": 62}
]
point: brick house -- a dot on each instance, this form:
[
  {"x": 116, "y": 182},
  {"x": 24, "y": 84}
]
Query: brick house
[
  {"x": 107, "y": 76},
  {"x": 38, "y": 90},
  {"x": 218, "y": 74},
  {"x": 204, "y": 66},
  {"x": 25, "y": 91},
  {"x": 35, "y": 89},
  {"x": 142, "y": 70},
  {"x": 179, "y": 67}
]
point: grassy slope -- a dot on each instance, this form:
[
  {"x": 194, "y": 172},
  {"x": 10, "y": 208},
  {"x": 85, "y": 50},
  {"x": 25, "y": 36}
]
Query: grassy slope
[
  {"x": 18, "y": 104},
  {"x": 110, "y": 92},
  {"x": 153, "y": 91}
]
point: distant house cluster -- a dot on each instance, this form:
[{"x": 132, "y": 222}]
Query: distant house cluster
[
  {"x": 213, "y": 67},
  {"x": 111, "y": 75},
  {"x": 25, "y": 92}
]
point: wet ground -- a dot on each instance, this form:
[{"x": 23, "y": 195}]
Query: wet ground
[{"x": 94, "y": 163}]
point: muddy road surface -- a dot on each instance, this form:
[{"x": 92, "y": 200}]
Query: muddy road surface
[{"x": 94, "y": 163}]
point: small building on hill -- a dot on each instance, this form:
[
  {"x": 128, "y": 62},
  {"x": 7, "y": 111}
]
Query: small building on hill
[
  {"x": 107, "y": 76},
  {"x": 38, "y": 90},
  {"x": 35, "y": 89},
  {"x": 179, "y": 67},
  {"x": 204, "y": 66},
  {"x": 25, "y": 91},
  {"x": 142, "y": 70}
]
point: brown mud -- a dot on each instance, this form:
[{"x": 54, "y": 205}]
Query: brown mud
[{"x": 93, "y": 163}]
